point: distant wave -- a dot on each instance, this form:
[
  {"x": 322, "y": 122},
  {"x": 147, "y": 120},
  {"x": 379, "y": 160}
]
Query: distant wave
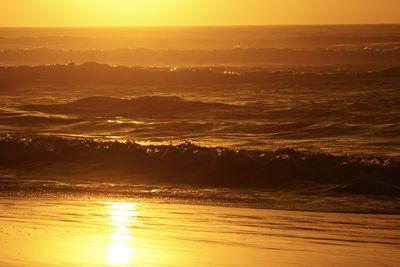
[
  {"x": 144, "y": 107},
  {"x": 188, "y": 163},
  {"x": 300, "y": 36},
  {"x": 142, "y": 56},
  {"x": 101, "y": 73}
]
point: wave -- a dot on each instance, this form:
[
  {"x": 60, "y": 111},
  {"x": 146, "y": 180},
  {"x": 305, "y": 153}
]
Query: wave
[
  {"x": 144, "y": 107},
  {"x": 187, "y": 163},
  {"x": 180, "y": 116},
  {"x": 144, "y": 56},
  {"x": 300, "y": 36},
  {"x": 105, "y": 74}
]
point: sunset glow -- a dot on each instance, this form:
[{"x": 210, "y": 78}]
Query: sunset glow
[{"x": 195, "y": 12}]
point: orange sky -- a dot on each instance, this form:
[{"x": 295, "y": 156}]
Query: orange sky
[{"x": 195, "y": 12}]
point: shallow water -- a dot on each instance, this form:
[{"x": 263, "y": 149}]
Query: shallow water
[{"x": 117, "y": 232}]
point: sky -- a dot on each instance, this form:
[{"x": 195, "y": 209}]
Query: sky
[{"x": 53, "y": 13}]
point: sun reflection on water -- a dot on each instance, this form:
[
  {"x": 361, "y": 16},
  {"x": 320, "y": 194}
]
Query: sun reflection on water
[{"x": 121, "y": 217}]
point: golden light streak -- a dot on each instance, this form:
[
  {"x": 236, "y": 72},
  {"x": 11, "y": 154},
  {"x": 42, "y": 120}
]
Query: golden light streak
[{"x": 121, "y": 217}]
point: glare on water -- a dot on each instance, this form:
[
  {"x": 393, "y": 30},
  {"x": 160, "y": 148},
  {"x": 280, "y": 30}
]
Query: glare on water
[{"x": 121, "y": 218}]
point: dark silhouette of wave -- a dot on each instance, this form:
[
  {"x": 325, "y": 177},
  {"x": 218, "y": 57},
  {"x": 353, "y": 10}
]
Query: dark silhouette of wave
[
  {"x": 143, "y": 56},
  {"x": 191, "y": 164},
  {"x": 144, "y": 107},
  {"x": 390, "y": 72},
  {"x": 100, "y": 73}
]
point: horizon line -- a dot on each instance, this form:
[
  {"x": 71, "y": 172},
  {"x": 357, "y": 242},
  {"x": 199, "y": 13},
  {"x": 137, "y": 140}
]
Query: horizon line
[{"x": 199, "y": 26}]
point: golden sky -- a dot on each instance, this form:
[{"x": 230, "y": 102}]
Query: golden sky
[{"x": 195, "y": 12}]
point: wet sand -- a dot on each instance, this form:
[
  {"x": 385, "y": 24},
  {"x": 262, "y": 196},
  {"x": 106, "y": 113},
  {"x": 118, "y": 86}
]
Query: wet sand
[{"x": 115, "y": 232}]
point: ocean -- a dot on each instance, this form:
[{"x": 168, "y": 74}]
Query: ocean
[{"x": 157, "y": 146}]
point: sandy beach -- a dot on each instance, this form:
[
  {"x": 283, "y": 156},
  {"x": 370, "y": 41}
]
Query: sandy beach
[{"x": 106, "y": 232}]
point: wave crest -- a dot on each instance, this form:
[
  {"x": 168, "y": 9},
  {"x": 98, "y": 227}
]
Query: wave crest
[{"x": 188, "y": 163}]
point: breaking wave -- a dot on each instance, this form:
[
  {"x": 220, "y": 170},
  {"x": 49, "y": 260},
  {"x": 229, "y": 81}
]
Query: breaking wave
[{"x": 65, "y": 158}]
